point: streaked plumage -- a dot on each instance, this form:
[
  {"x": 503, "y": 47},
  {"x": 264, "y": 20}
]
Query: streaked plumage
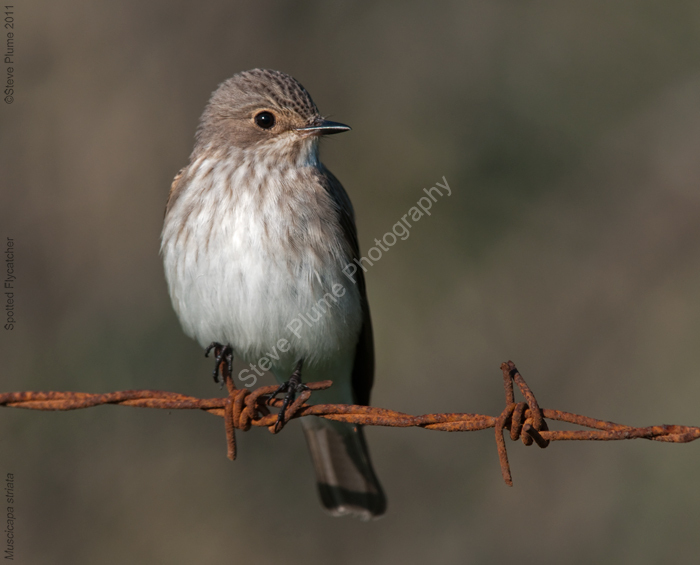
[{"x": 256, "y": 232}]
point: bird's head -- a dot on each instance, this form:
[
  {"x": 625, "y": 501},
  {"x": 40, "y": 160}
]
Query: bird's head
[{"x": 267, "y": 112}]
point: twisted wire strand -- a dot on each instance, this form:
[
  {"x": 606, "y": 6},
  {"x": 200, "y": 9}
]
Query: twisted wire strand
[{"x": 243, "y": 409}]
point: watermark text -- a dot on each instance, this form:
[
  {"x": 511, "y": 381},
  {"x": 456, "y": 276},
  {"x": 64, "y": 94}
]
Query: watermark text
[
  {"x": 400, "y": 230},
  {"x": 10, "y": 524},
  {"x": 9, "y": 284},
  {"x": 9, "y": 56}
]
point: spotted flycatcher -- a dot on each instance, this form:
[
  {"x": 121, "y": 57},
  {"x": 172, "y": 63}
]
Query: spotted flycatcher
[{"x": 256, "y": 236}]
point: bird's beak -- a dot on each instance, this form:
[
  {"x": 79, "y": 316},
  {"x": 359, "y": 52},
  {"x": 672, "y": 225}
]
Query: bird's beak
[{"x": 323, "y": 127}]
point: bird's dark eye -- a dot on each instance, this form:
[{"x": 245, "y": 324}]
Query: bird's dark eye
[{"x": 265, "y": 120}]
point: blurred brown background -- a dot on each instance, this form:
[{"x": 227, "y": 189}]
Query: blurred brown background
[{"x": 570, "y": 135}]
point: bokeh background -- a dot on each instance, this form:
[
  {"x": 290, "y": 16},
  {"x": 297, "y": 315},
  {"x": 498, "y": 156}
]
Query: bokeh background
[{"x": 569, "y": 134}]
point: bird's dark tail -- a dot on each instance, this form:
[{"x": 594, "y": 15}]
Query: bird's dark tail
[{"x": 346, "y": 480}]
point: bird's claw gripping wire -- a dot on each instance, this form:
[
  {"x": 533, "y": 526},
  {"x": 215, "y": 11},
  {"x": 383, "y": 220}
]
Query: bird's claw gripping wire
[
  {"x": 221, "y": 353},
  {"x": 291, "y": 387}
]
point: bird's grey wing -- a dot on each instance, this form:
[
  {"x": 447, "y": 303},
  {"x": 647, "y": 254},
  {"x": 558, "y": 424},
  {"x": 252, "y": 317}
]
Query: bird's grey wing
[
  {"x": 346, "y": 479},
  {"x": 363, "y": 366},
  {"x": 175, "y": 190}
]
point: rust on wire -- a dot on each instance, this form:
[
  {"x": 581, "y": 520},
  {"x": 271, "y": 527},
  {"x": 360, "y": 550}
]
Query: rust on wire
[{"x": 242, "y": 409}]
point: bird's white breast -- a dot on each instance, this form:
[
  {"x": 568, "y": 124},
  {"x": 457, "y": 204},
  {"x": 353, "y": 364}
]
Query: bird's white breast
[{"x": 249, "y": 257}]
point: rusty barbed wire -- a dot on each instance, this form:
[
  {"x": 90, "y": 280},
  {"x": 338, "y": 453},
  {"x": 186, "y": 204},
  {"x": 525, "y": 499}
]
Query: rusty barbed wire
[{"x": 243, "y": 409}]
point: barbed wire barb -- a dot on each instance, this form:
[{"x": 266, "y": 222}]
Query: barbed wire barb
[{"x": 243, "y": 409}]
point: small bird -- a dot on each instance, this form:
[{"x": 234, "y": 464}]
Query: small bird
[{"x": 257, "y": 233}]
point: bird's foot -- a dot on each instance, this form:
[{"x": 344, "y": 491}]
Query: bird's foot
[
  {"x": 291, "y": 387},
  {"x": 221, "y": 353}
]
